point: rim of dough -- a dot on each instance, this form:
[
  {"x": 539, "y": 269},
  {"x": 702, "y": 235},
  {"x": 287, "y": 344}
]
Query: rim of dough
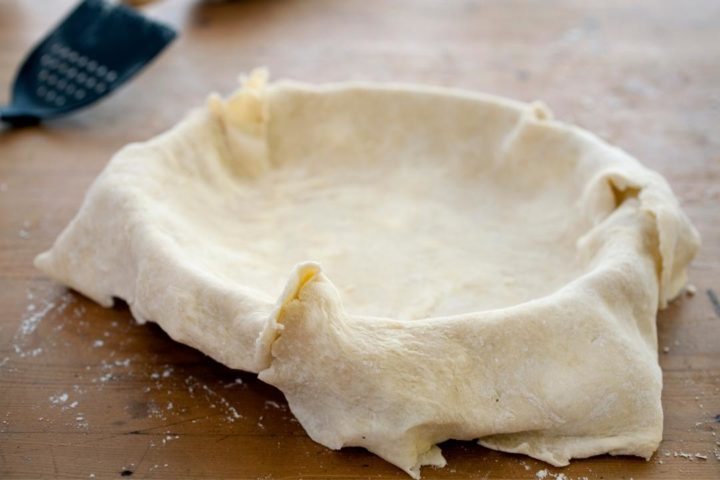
[{"x": 569, "y": 373}]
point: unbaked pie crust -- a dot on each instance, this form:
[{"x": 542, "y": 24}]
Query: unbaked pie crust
[{"x": 407, "y": 264}]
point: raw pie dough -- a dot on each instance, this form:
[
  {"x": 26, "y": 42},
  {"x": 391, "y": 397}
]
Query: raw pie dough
[{"x": 461, "y": 266}]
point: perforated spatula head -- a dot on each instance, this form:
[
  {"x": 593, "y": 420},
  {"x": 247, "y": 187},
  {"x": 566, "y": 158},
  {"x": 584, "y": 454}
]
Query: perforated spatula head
[{"x": 98, "y": 47}]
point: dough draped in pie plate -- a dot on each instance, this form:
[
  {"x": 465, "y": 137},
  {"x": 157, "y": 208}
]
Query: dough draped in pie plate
[{"x": 460, "y": 265}]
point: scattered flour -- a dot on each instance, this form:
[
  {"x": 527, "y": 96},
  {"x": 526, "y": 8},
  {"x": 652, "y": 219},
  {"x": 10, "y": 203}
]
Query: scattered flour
[
  {"x": 544, "y": 473},
  {"x": 154, "y": 411},
  {"x": 169, "y": 438},
  {"x": 270, "y": 403},
  {"x": 122, "y": 363},
  {"x": 235, "y": 383},
  {"x": 35, "y": 313},
  {"x": 33, "y": 317},
  {"x": 59, "y": 398},
  {"x": 231, "y": 414}
]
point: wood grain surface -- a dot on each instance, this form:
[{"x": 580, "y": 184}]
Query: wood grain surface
[{"x": 87, "y": 393}]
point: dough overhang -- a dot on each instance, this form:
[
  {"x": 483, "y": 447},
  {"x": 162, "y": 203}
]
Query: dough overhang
[{"x": 462, "y": 265}]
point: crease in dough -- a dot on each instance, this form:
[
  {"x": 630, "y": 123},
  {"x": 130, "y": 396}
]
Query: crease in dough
[{"x": 496, "y": 274}]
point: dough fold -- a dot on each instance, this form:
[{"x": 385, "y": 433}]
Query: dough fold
[
  {"x": 584, "y": 378},
  {"x": 462, "y": 266}
]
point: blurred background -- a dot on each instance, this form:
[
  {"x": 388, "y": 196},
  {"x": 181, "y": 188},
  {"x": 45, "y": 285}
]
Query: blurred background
[{"x": 613, "y": 66}]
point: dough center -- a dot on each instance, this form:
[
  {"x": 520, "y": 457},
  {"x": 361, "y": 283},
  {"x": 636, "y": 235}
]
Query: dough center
[{"x": 406, "y": 242}]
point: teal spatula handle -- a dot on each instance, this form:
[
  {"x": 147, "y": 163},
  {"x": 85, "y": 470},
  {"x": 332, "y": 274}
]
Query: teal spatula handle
[{"x": 17, "y": 118}]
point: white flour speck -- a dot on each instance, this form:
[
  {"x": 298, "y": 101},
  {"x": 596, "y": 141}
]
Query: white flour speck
[
  {"x": 98, "y": 343},
  {"x": 235, "y": 383},
  {"x": 122, "y": 363},
  {"x": 59, "y": 398}
]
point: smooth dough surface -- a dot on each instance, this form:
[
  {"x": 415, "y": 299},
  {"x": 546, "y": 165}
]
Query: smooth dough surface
[{"x": 407, "y": 264}]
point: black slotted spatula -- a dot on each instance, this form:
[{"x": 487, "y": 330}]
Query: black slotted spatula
[{"x": 92, "y": 52}]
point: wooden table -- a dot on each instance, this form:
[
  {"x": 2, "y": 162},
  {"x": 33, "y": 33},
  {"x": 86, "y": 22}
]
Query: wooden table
[{"x": 87, "y": 393}]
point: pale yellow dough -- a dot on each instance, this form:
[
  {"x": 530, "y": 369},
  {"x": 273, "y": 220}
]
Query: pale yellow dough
[{"x": 461, "y": 266}]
